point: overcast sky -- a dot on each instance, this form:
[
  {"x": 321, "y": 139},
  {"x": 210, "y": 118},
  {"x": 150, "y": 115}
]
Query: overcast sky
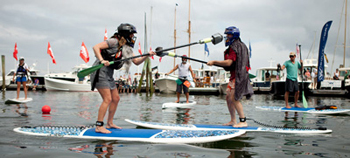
[{"x": 273, "y": 28}]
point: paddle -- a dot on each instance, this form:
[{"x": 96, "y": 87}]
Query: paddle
[
  {"x": 215, "y": 39},
  {"x": 302, "y": 82},
  {"x": 172, "y": 54}
]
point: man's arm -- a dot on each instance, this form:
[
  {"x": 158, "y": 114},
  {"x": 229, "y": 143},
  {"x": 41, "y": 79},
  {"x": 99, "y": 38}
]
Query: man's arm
[
  {"x": 171, "y": 71},
  {"x": 223, "y": 63},
  {"x": 190, "y": 68}
]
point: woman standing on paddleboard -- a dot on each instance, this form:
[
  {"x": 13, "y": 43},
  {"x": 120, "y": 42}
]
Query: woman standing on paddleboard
[
  {"x": 119, "y": 46},
  {"x": 21, "y": 77}
]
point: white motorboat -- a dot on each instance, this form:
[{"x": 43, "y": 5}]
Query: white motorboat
[
  {"x": 63, "y": 85},
  {"x": 68, "y": 76},
  {"x": 166, "y": 84},
  {"x": 261, "y": 84},
  {"x": 68, "y": 81}
]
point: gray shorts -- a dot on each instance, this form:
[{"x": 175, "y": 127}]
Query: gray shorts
[
  {"x": 291, "y": 86},
  {"x": 105, "y": 79}
]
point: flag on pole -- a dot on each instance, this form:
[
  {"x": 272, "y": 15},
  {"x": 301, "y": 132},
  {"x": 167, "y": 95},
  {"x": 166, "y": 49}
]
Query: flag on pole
[
  {"x": 250, "y": 50},
  {"x": 84, "y": 54},
  {"x": 297, "y": 49},
  {"x": 140, "y": 48},
  {"x": 105, "y": 38},
  {"x": 49, "y": 51},
  {"x": 150, "y": 48},
  {"x": 15, "y": 52},
  {"x": 206, "y": 50}
]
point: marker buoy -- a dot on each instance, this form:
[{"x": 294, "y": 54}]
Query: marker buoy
[{"x": 46, "y": 109}]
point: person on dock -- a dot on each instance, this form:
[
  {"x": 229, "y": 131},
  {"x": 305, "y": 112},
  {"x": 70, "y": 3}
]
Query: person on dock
[
  {"x": 336, "y": 74},
  {"x": 119, "y": 46},
  {"x": 184, "y": 69},
  {"x": 35, "y": 84},
  {"x": 236, "y": 60},
  {"x": 21, "y": 77},
  {"x": 291, "y": 84}
]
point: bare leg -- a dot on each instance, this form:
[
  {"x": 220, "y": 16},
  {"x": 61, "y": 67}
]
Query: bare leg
[
  {"x": 25, "y": 89},
  {"x": 296, "y": 96},
  {"x": 112, "y": 109},
  {"x": 231, "y": 108},
  {"x": 286, "y": 95},
  {"x": 178, "y": 97},
  {"x": 239, "y": 108},
  {"x": 18, "y": 89},
  {"x": 187, "y": 96},
  {"x": 107, "y": 98}
]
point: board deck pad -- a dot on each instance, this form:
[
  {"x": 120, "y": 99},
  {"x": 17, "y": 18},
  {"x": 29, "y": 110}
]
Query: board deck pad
[
  {"x": 307, "y": 110},
  {"x": 18, "y": 101},
  {"x": 143, "y": 135},
  {"x": 172, "y": 126},
  {"x": 180, "y": 104}
]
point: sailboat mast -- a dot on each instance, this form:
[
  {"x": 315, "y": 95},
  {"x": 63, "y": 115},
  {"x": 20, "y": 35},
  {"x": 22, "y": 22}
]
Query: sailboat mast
[
  {"x": 346, "y": 6},
  {"x": 189, "y": 28},
  {"x": 175, "y": 33}
]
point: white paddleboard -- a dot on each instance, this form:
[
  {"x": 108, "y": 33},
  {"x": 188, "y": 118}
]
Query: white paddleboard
[
  {"x": 307, "y": 110},
  {"x": 142, "y": 135},
  {"x": 18, "y": 101},
  {"x": 171, "y": 126},
  {"x": 181, "y": 104}
]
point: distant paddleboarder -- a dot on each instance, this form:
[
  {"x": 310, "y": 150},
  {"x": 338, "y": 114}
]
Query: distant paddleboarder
[
  {"x": 21, "y": 75},
  {"x": 237, "y": 62},
  {"x": 182, "y": 82},
  {"x": 291, "y": 84},
  {"x": 118, "y": 47}
]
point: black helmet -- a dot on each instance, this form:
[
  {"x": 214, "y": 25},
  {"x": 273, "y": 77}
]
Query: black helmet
[{"x": 124, "y": 30}]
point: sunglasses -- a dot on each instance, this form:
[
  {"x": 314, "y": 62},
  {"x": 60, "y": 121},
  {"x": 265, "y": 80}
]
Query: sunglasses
[{"x": 291, "y": 56}]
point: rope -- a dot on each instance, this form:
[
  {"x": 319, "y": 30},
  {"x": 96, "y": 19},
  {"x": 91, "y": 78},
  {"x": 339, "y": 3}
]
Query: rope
[{"x": 275, "y": 126}]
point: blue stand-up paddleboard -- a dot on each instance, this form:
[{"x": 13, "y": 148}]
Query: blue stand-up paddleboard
[
  {"x": 18, "y": 101},
  {"x": 171, "y": 126},
  {"x": 181, "y": 104},
  {"x": 306, "y": 110},
  {"x": 142, "y": 135}
]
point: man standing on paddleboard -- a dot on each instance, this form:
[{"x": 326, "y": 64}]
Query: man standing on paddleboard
[
  {"x": 118, "y": 47},
  {"x": 291, "y": 83},
  {"x": 182, "y": 82},
  {"x": 237, "y": 62}
]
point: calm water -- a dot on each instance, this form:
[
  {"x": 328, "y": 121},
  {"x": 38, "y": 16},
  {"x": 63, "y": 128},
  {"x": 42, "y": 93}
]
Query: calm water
[{"x": 73, "y": 108}]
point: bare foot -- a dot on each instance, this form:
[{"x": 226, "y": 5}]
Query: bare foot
[
  {"x": 297, "y": 106},
  {"x": 113, "y": 126},
  {"x": 187, "y": 101},
  {"x": 241, "y": 124},
  {"x": 230, "y": 123},
  {"x": 177, "y": 101},
  {"x": 288, "y": 107},
  {"x": 101, "y": 129}
]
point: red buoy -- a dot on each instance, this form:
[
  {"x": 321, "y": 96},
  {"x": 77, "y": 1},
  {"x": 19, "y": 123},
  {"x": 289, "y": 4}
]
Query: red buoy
[{"x": 46, "y": 109}]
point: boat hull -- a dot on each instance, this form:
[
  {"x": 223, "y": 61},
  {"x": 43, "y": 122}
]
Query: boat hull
[{"x": 62, "y": 85}]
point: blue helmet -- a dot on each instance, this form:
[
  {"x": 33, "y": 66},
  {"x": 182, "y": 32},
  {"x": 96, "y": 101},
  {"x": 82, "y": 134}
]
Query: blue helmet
[{"x": 232, "y": 30}]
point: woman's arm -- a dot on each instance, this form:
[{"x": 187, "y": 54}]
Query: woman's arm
[
  {"x": 138, "y": 61},
  {"x": 97, "y": 50}
]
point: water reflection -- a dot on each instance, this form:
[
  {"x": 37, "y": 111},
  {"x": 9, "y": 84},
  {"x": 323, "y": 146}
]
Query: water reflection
[{"x": 24, "y": 113}]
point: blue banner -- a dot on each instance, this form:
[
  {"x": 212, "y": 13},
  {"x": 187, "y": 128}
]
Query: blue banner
[
  {"x": 206, "y": 49},
  {"x": 250, "y": 51},
  {"x": 323, "y": 41}
]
